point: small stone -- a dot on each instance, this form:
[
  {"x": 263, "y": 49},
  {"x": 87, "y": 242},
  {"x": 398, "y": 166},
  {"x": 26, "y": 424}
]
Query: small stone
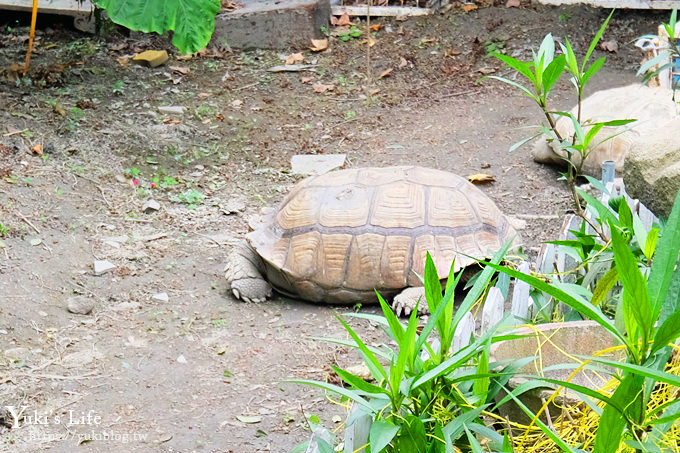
[
  {"x": 3, "y": 332},
  {"x": 151, "y": 58},
  {"x": 316, "y": 164},
  {"x": 16, "y": 353},
  {"x": 172, "y": 109},
  {"x": 150, "y": 206},
  {"x": 181, "y": 359},
  {"x": 36, "y": 241},
  {"x": 163, "y": 297},
  {"x": 233, "y": 206},
  {"x": 79, "y": 305},
  {"x": 103, "y": 266}
]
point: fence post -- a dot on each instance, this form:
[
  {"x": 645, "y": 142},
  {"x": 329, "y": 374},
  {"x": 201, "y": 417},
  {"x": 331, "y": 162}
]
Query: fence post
[
  {"x": 520, "y": 296},
  {"x": 493, "y": 309}
]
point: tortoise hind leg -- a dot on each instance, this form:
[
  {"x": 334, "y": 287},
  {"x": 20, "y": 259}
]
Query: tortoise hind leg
[{"x": 244, "y": 271}]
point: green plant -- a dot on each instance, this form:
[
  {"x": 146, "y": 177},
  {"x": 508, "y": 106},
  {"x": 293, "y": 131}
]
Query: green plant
[
  {"x": 429, "y": 396},
  {"x": 354, "y": 32},
  {"x": 3, "y": 230},
  {"x": 542, "y": 73},
  {"x": 647, "y": 322},
  {"x": 118, "y": 87},
  {"x": 495, "y": 45},
  {"x": 191, "y": 197}
]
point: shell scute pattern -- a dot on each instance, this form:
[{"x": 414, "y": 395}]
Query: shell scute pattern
[{"x": 343, "y": 234}]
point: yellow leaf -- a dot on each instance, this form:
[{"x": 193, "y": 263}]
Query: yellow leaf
[
  {"x": 319, "y": 44},
  {"x": 295, "y": 58},
  {"x": 385, "y": 73},
  {"x": 481, "y": 178}
]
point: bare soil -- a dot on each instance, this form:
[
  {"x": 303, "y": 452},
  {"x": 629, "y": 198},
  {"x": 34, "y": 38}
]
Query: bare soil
[{"x": 149, "y": 375}]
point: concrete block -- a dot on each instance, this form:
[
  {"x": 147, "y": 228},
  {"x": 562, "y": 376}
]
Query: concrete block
[
  {"x": 82, "y": 12},
  {"x": 272, "y": 24}
]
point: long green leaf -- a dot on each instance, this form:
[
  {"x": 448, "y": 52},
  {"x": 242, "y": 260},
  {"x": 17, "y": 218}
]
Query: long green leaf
[
  {"x": 553, "y": 72},
  {"x": 546, "y": 430},
  {"x": 595, "y": 41},
  {"x": 336, "y": 389},
  {"x": 667, "y": 333},
  {"x": 406, "y": 352},
  {"x": 585, "y": 308},
  {"x": 395, "y": 326},
  {"x": 358, "y": 382},
  {"x": 519, "y": 66},
  {"x": 605, "y": 285},
  {"x": 637, "y": 309},
  {"x": 647, "y": 372},
  {"x": 665, "y": 259},
  {"x": 517, "y": 85},
  {"x": 606, "y": 216},
  {"x": 612, "y": 422},
  {"x": 369, "y": 357},
  {"x": 592, "y": 70},
  {"x": 193, "y": 21}
]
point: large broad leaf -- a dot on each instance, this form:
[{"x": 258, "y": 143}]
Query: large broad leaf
[
  {"x": 382, "y": 433},
  {"x": 193, "y": 21}
]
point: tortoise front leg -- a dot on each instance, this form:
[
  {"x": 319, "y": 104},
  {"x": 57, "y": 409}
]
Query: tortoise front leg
[
  {"x": 406, "y": 301},
  {"x": 244, "y": 273}
]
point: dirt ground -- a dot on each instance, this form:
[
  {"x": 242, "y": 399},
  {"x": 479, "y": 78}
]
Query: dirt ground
[{"x": 199, "y": 371}]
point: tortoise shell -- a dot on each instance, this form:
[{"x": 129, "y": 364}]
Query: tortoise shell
[{"x": 338, "y": 237}]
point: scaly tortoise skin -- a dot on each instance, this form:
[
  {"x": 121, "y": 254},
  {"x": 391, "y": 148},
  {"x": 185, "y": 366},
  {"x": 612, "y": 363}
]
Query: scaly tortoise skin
[{"x": 338, "y": 237}]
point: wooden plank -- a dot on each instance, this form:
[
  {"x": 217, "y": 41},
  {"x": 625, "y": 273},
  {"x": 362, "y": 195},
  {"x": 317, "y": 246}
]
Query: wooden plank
[
  {"x": 64, "y": 7},
  {"x": 379, "y": 11},
  {"x": 520, "y": 296},
  {"x": 630, "y": 4},
  {"x": 356, "y": 433},
  {"x": 461, "y": 337},
  {"x": 493, "y": 309},
  {"x": 83, "y": 17}
]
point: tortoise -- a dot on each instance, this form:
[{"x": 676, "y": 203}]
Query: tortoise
[
  {"x": 339, "y": 237},
  {"x": 652, "y": 107}
]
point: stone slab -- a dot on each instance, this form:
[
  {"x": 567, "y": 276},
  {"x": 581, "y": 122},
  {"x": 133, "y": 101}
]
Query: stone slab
[
  {"x": 272, "y": 24},
  {"x": 83, "y": 16},
  {"x": 316, "y": 164}
]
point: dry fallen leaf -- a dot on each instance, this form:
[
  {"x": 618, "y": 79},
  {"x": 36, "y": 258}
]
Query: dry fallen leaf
[
  {"x": 237, "y": 103},
  {"x": 123, "y": 61},
  {"x": 467, "y": 7},
  {"x": 319, "y": 44},
  {"x": 306, "y": 79},
  {"x": 376, "y": 27},
  {"x": 385, "y": 73},
  {"x": 295, "y": 58},
  {"x": 486, "y": 71},
  {"x": 610, "y": 46},
  {"x": 171, "y": 121},
  {"x": 512, "y": 4},
  {"x": 451, "y": 53},
  {"x": 322, "y": 88},
  {"x": 371, "y": 42},
  {"x": 184, "y": 70},
  {"x": 402, "y": 62},
  {"x": 481, "y": 178},
  {"x": 341, "y": 21},
  {"x": 38, "y": 149}
]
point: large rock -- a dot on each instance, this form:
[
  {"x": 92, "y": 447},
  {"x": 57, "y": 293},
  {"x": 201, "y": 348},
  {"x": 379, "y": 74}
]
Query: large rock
[
  {"x": 652, "y": 172},
  {"x": 653, "y": 108}
]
